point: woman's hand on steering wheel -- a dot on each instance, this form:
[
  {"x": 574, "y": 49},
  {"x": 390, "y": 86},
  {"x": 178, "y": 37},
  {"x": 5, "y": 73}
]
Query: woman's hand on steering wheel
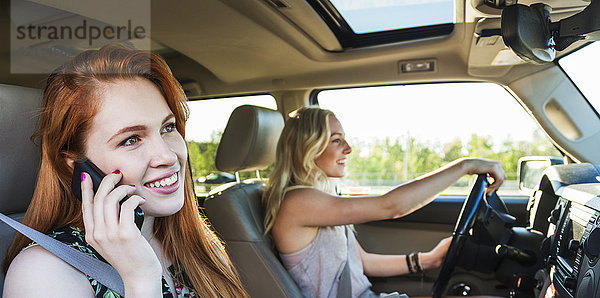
[
  {"x": 434, "y": 257},
  {"x": 465, "y": 222},
  {"x": 486, "y": 166}
]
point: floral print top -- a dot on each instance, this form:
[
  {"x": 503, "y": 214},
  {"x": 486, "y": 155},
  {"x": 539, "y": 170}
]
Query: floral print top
[{"x": 75, "y": 237}]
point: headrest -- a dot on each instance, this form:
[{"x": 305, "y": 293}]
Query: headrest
[
  {"x": 19, "y": 156},
  {"x": 249, "y": 140}
]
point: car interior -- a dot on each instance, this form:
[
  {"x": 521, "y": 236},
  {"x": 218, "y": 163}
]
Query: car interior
[{"x": 543, "y": 241}]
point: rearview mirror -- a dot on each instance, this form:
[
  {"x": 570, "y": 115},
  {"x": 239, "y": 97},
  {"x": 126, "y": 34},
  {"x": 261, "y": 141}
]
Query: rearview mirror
[
  {"x": 530, "y": 33},
  {"x": 525, "y": 29},
  {"x": 531, "y": 169}
]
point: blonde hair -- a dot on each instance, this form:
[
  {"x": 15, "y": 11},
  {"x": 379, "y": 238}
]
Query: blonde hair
[
  {"x": 71, "y": 99},
  {"x": 304, "y": 137}
]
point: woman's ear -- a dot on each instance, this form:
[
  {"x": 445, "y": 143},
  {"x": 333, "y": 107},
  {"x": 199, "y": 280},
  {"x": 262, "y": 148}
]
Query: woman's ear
[{"x": 69, "y": 158}]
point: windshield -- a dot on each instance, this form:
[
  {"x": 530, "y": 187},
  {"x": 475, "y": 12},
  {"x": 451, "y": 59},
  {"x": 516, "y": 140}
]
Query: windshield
[
  {"x": 582, "y": 67},
  {"x": 425, "y": 126}
]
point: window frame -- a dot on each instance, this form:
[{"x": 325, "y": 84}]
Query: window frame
[{"x": 194, "y": 176}]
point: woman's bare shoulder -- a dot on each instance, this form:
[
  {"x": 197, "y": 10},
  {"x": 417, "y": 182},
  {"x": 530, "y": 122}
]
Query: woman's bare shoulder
[
  {"x": 295, "y": 192},
  {"x": 36, "y": 272}
]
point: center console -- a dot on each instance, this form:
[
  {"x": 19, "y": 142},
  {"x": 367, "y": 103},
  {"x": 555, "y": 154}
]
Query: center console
[{"x": 572, "y": 228}]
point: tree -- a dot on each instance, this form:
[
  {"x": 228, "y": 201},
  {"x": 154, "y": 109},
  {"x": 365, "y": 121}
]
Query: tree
[
  {"x": 391, "y": 161},
  {"x": 202, "y": 155},
  {"x": 453, "y": 150},
  {"x": 202, "y": 158},
  {"x": 481, "y": 146}
]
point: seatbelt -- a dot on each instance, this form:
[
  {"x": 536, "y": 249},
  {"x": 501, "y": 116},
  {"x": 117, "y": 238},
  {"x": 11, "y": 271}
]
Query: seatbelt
[
  {"x": 98, "y": 270},
  {"x": 345, "y": 283}
]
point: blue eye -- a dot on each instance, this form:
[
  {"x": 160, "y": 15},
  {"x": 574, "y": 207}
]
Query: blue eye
[
  {"x": 170, "y": 127},
  {"x": 336, "y": 141},
  {"x": 130, "y": 141}
]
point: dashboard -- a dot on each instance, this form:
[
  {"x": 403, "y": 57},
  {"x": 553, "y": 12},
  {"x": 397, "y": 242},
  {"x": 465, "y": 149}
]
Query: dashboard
[{"x": 566, "y": 209}]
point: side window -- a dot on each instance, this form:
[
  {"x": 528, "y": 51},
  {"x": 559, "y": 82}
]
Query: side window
[
  {"x": 577, "y": 67},
  {"x": 398, "y": 133},
  {"x": 204, "y": 127}
]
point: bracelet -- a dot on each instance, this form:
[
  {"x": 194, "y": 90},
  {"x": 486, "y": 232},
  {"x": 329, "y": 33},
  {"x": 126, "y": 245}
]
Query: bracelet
[
  {"x": 413, "y": 263},
  {"x": 411, "y": 270},
  {"x": 417, "y": 262}
]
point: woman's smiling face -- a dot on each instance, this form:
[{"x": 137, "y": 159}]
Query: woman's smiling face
[
  {"x": 333, "y": 160},
  {"x": 134, "y": 132}
]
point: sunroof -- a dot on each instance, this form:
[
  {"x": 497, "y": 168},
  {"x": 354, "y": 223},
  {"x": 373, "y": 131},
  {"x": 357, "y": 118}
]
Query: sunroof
[{"x": 383, "y": 15}]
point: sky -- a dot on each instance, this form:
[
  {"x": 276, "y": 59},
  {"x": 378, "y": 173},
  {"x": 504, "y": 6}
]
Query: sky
[
  {"x": 380, "y": 15},
  {"x": 432, "y": 113},
  {"x": 585, "y": 76},
  {"x": 209, "y": 116}
]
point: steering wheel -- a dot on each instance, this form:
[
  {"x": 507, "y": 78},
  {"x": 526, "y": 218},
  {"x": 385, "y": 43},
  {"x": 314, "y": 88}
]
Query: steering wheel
[{"x": 461, "y": 233}]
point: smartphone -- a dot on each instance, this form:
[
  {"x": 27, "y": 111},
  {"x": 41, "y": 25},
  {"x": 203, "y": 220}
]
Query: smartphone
[{"x": 85, "y": 165}]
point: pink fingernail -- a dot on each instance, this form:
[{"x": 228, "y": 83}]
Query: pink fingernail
[
  {"x": 82, "y": 176},
  {"x": 117, "y": 172}
]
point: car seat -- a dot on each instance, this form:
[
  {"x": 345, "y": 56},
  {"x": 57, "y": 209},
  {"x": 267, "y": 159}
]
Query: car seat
[
  {"x": 19, "y": 156},
  {"x": 248, "y": 143}
]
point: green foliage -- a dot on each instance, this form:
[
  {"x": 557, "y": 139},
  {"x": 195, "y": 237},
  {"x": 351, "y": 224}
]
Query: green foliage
[
  {"x": 389, "y": 161},
  {"x": 452, "y": 151},
  {"x": 202, "y": 157},
  {"x": 510, "y": 152}
]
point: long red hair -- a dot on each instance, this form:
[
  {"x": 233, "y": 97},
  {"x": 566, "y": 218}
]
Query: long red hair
[{"x": 71, "y": 99}]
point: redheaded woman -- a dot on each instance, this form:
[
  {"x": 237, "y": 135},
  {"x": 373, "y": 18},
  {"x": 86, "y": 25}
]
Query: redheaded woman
[{"x": 124, "y": 111}]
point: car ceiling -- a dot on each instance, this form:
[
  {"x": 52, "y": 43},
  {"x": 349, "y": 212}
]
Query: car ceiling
[{"x": 232, "y": 47}]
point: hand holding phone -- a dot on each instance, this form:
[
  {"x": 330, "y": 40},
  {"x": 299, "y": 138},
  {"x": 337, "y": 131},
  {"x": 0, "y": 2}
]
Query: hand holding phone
[{"x": 86, "y": 166}]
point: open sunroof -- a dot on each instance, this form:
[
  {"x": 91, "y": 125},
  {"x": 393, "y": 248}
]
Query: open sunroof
[
  {"x": 359, "y": 23},
  {"x": 383, "y": 15}
]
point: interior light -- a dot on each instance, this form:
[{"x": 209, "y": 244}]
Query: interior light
[{"x": 417, "y": 66}]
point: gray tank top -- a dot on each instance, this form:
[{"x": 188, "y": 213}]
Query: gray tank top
[{"x": 318, "y": 272}]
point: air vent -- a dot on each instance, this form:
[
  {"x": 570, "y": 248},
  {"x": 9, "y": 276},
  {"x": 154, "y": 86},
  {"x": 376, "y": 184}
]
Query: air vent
[{"x": 278, "y": 3}]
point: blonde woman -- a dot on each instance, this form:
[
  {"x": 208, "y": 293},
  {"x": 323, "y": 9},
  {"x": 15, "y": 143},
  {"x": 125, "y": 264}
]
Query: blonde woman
[{"x": 308, "y": 222}]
